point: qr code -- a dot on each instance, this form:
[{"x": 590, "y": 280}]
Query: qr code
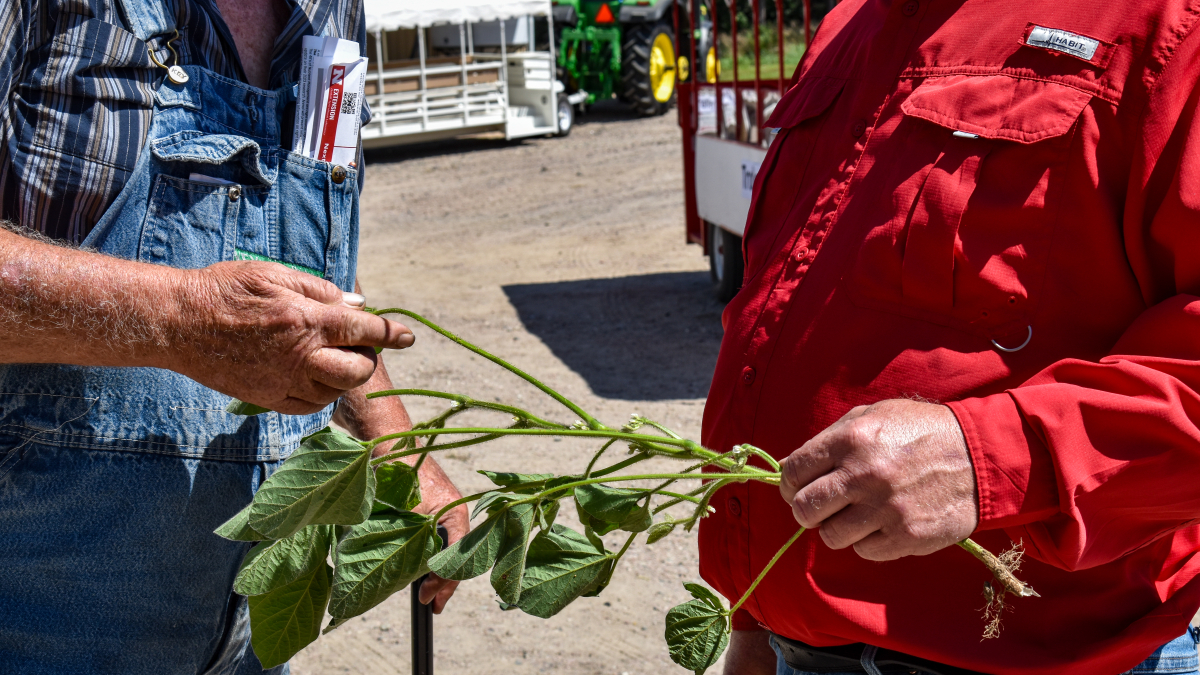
[{"x": 348, "y": 101}]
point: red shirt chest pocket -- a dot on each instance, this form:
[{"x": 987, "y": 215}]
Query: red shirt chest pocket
[{"x": 974, "y": 166}]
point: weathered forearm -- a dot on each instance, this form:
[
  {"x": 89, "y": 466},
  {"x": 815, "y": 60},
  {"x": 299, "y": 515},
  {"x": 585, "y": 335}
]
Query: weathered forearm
[
  {"x": 63, "y": 305},
  {"x": 371, "y": 418}
]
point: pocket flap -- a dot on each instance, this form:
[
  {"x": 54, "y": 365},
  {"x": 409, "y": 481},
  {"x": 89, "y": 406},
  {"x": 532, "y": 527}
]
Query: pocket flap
[
  {"x": 808, "y": 99},
  {"x": 212, "y": 149},
  {"x": 998, "y": 106}
]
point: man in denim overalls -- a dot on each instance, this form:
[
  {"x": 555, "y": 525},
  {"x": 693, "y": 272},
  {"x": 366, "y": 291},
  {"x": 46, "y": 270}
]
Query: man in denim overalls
[{"x": 117, "y": 458}]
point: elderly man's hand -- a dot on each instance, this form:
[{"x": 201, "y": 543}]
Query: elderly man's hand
[
  {"x": 890, "y": 479},
  {"x": 275, "y": 337}
]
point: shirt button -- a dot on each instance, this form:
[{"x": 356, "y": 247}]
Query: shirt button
[
  {"x": 338, "y": 174},
  {"x": 235, "y": 193},
  {"x": 910, "y": 8},
  {"x": 735, "y": 506},
  {"x": 800, "y": 253},
  {"x": 859, "y": 128},
  {"x": 748, "y": 375}
]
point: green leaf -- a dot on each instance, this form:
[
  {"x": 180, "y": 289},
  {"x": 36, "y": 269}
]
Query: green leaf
[
  {"x": 560, "y": 566},
  {"x": 288, "y": 618},
  {"x": 237, "y": 407},
  {"x": 602, "y": 580},
  {"x": 509, "y": 570},
  {"x": 491, "y": 502},
  {"x": 335, "y": 622},
  {"x": 703, "y": 593},
  {"x": 561, "y": 480},
  {"x": 396, "y": 488},
  {"x": 659, "y": 530},
  {"x": 547, "y": 512},
  {"x": 696, "y": 635},
  {"x": 472, "y": 555},
  {"x": 379, "y": 557},
  {"x": 328, "y": 480},
  {"x": 273, "y": 564},
  {"x": 627, "y": 509},
  {"x": 521, "y": 483},
  {"x": 238, "y": 527}
]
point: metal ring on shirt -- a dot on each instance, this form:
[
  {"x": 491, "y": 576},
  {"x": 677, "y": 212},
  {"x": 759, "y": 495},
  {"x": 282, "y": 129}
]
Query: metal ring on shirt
[{"x": 1015, "y": 349}]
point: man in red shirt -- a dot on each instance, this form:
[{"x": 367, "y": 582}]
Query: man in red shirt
[{"x": 981, "y": 221}]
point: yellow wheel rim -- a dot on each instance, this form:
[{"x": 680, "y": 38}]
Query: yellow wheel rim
[
  {"x": 683, "y": 68},
  {"x": 662, "y": 68},
  {"x": 711, "y": 67}
]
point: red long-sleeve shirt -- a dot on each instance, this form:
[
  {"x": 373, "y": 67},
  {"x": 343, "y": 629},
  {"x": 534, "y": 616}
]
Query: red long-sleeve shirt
[{"x": 885, "y": 253}]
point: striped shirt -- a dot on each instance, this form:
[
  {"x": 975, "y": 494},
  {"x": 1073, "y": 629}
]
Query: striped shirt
[{"x": 79, "y": 92}]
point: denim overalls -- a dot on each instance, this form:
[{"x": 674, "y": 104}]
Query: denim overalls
[{"x": 113, "y": 479}]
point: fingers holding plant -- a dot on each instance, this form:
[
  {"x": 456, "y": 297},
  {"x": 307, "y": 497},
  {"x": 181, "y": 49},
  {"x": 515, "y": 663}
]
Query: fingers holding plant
[
  {"x": 892, "y": 479},
  {"x": 275, "y": 337}
]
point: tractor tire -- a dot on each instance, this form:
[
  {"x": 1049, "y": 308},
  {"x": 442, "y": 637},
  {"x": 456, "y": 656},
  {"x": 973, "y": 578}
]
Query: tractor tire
[
  {"x": 648, "y": 68},
  {"x": 725, "y": 264}
]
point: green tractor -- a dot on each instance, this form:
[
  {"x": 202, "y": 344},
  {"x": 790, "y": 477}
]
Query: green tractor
[{"x": 626, "y": 48}]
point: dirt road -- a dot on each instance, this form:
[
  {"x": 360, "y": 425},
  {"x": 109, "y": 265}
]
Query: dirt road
[{"x": 566, "y": 256}]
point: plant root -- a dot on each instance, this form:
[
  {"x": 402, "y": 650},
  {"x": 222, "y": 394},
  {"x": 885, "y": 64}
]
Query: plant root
[
  {"x": 992, "y": 611},
  {"x": 1003, "y": 568}
]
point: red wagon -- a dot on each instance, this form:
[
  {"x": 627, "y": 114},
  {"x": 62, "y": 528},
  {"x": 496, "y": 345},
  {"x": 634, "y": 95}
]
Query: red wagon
[{"x": 724, "y": 141}]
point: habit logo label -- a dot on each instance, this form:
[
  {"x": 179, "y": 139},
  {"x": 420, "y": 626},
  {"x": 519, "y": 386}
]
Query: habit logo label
[{"x": 1063, "y": 41}]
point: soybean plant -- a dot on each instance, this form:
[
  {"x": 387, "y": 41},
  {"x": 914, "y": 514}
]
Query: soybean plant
[{"x": 332, "y": 501}]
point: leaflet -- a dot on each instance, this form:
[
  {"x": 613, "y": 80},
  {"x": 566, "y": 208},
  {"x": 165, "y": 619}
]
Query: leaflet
[
  {"x": 317, "y": 56},
  {"x": 340, "y": 109}
]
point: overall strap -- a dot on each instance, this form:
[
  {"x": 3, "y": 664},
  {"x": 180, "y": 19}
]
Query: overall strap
[{"x": 148, "y": 18}]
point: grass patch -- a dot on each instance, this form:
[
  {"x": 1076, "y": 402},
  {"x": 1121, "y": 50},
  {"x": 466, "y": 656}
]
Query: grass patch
[{"x": 793, "y": 49}]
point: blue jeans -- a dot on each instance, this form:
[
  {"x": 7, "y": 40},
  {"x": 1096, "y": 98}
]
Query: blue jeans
[{"x": 1177, "y": 656}]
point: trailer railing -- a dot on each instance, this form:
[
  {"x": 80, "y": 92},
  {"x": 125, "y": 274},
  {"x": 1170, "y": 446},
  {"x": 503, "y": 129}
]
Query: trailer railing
[{"x": 704, "y": 108}]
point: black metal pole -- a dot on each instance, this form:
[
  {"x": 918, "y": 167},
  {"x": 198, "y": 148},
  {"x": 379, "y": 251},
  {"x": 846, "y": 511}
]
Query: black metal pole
[{"x": 422, "y": 626}]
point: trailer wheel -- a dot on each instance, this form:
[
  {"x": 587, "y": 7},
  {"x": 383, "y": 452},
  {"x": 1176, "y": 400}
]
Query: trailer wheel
[
  {"x": 725, "y": 264},
  {"x": 648, "y": 68},
  {"x": 566, "y": 116}
]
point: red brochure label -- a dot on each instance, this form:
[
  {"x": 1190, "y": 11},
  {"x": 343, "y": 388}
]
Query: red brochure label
[{"x": 329, "y": 121}]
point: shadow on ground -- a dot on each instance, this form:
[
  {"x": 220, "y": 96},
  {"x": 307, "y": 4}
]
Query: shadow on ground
[{"x": 648, "y": 337}]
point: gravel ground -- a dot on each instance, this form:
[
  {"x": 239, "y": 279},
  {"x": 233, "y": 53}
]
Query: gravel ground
[{"x": 567, "y": 257}]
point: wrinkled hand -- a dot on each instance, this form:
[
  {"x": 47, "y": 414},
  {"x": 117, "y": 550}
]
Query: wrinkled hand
[
  {"x": 275, "y": 337},
  {"x": 457, "y": 522},
  {"x": 890, "y": 479}
]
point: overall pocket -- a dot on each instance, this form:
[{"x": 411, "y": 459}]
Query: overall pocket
[
  {"x": 219, "y": 197},
  {"x": 965, "y": 240},
  {"x": 317, "y": 217}
]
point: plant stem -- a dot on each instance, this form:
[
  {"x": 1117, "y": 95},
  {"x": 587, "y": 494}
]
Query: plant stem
[
  {"x": 999, "y": 570},
  {"x": 592, "y": 422},
  {"x": 677, "y": 497},
  {"x": 596, "y": 457},
  {"x": 773, "y": 479},
  {"x": 688, "y": 497},
  {"x": 468, "y": 402},
  {"x": 661, "y": 428},
  {"x": 763, "y": 573},
  {"x": 764, "y": 477},
  {"x": 629, "y": 461},
  {"x": 765, "y": 456},
  {"x": 692, "y": 450}
]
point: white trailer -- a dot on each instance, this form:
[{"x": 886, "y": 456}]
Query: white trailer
[{"x": 444, "y": 68}]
